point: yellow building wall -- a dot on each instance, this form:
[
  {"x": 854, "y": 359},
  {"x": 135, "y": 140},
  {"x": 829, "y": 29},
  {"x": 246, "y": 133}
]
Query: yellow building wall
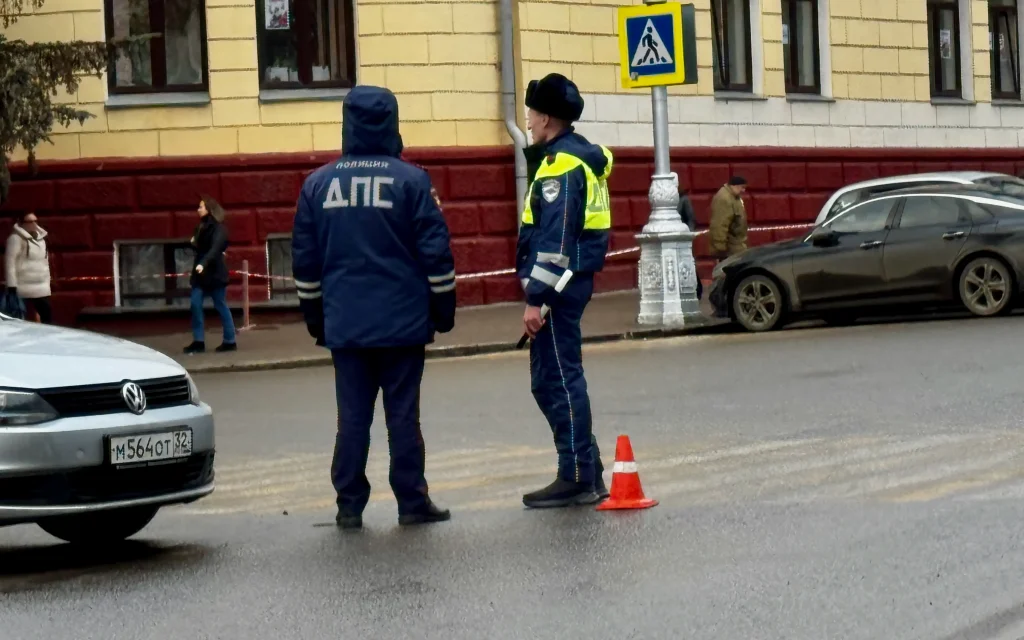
[
  {"x": 880, "y": 50},
  {"x": 579, "y": 39},
  {"x": 440, "y": 59}
]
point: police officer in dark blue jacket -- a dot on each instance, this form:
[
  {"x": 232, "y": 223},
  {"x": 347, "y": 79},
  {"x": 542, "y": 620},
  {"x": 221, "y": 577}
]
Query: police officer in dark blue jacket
[
  {"x": 375, "y": 276},
  {"x": 563, "y": 241}
]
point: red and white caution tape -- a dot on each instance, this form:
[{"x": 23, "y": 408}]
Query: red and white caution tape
[{"x": 463, "y": 276}]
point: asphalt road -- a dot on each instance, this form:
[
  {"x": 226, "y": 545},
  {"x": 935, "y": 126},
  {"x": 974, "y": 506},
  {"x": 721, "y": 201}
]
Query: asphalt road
[{"x": 862, "y": 482}]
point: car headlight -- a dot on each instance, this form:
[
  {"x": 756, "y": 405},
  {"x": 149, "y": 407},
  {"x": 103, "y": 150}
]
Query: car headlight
[
  {"x": 193, "y": 391},
  {"x": 19, "y": 408}
]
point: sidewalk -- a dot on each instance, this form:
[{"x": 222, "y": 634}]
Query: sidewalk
[{"x": 478, "y": 330}]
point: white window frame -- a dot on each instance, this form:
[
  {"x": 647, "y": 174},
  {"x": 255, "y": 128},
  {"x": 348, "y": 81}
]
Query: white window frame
[
  {"x": 1020, "y": 32},
  {"x": 756, "y": 45},
  {"x": 287, "y": 295},
  {"x": 757, "y": 48},
  {"x": 967, "y": 48},
  {"x": 825, "y": 48},
  {"x": 118, "y": 302},
  {"x": 1019, "y": 6}
]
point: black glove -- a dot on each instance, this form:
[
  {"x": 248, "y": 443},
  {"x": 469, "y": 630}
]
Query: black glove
[
  {"x": 442, "y": 311},
  {"x": 313, "y": 314},
  {"x": 316, "y": 331}
]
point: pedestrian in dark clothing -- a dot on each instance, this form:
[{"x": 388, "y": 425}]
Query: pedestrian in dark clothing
[
  {"x": 375, "y": 276},
  {"x": 209, "y": 276},
  {"x": 686, "y": 211},
  {"x": 689, "y": 218}
]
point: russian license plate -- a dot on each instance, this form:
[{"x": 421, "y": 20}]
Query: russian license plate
[{"x": 151, "y": 447}]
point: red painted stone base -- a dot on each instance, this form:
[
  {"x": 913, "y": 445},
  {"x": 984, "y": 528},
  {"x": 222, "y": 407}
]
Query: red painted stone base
[{"x": 87, "y": 205}]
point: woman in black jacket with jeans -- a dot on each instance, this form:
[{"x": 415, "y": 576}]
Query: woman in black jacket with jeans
[{"x": 210, "y": 275}]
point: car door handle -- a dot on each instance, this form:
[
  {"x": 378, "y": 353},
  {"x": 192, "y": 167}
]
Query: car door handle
[
  {"x": 949, "y": 235},
  {"x": 871, "y": 245}
]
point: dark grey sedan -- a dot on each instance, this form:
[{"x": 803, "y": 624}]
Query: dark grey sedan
[{"x": 920, "y": 247}]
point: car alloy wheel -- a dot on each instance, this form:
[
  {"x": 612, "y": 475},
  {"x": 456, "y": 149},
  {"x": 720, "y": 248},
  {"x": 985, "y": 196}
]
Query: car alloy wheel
[
  {"x": 757, "y": 303},
  {"x": 986, "y": 287}
]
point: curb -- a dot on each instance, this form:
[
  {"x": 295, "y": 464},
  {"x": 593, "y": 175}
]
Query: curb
[{"x": 710, "y": 327}]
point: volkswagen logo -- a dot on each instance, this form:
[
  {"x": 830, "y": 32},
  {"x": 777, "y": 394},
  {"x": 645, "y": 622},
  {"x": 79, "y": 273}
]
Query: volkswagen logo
[{"x": 134, "y": 398}]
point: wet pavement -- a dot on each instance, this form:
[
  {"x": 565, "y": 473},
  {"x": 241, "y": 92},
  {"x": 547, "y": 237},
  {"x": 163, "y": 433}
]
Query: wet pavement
[
  {"x": 862, "y": 482},
  {"x": 482, "y": 329}
]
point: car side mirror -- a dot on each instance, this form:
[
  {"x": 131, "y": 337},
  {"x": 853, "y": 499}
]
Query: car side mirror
[{"x": 823, "y": 237}]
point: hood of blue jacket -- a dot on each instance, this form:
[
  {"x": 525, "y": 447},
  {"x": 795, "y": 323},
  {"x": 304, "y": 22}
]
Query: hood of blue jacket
[
  {"x": 573, "y": 143},
  {"x": 369, "y": 125}
]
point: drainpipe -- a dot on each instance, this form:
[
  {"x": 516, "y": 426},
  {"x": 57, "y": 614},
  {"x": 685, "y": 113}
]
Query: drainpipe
[{"x": 508, "y": 101}]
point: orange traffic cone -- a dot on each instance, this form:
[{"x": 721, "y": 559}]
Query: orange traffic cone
[{"x": 627, "y": 492}]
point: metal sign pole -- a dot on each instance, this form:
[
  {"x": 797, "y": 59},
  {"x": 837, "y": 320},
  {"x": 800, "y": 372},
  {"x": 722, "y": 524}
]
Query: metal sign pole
[{"x": 668, "y": 274}]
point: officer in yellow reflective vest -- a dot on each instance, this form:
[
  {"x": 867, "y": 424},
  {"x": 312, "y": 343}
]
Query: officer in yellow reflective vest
[{"x": 565, "y": 226}]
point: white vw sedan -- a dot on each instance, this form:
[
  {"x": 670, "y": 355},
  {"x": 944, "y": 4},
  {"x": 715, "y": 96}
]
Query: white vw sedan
[{"x": 96, "y": 433}]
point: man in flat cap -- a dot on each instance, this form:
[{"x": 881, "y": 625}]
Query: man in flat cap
[
  {"x": 562, "y": 244},
  {"x": 728, "y": 227}
]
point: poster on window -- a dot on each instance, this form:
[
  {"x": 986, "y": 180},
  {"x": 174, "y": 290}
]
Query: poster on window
[
  {"x": 276, "y": 14},
  {"x": 945, "y": 44},
  {"x": 785, "y": 34}
]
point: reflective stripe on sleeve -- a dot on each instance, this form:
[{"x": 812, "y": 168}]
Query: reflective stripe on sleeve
[
  {"x": 307, "y": 295},
  {"x": 556, "y": 259},
  {"x": 442, "y": 288},
  {"x": 444, "y": 278},
  {"x": 543, "y": 275},
  {"x": 310, "y": 286}
]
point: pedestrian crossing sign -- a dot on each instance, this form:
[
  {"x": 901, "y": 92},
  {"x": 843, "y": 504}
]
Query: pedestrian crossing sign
[{"x": 657, "y": 44}]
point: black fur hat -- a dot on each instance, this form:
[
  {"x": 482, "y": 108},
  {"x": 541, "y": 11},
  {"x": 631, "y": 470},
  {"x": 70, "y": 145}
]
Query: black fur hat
[{"x": 556, "y": 96}]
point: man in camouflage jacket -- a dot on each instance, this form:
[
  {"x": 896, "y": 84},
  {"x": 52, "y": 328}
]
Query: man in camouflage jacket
[{"x": 728, "y": 227}]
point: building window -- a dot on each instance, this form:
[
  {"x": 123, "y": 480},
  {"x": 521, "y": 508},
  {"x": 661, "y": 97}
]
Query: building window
[
  {"x": 173, "y": 60},
  {"x": 306, "y": 43},
  {"x": 731, "y": 45},
  {"x": 279, "y": 266},
  {"x": 148, "y": 274},
  {"x": 944, "y": 47},
  {"x": 1003, "y": 39},
  {"x": 800, "y": 46}
]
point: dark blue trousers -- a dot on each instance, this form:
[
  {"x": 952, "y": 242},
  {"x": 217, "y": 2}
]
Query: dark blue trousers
[
  {"x": 358, "y": 375},
  {"x": 558, "y": 383}
]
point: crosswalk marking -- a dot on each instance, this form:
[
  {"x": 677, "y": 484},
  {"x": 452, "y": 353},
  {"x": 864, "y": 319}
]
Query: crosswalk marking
[{"x": 786, "y": 470}]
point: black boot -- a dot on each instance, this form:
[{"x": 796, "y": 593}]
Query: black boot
[
  {"x": 227, "y": 346},
  {"x": 599, "y": 486},
  {"x": 430, "y": 513},
  {"x": 196, "y": 347},
  {"x": 347, "y": 520},
  {"x": 561, "y": 493}
]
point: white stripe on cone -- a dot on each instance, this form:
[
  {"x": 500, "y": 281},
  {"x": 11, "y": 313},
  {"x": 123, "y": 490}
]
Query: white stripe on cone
[{"x": 624, "y": 467}]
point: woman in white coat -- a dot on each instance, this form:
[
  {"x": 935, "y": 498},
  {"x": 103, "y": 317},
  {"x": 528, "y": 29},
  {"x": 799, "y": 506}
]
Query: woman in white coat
[{"x": 28, "y": 267}]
